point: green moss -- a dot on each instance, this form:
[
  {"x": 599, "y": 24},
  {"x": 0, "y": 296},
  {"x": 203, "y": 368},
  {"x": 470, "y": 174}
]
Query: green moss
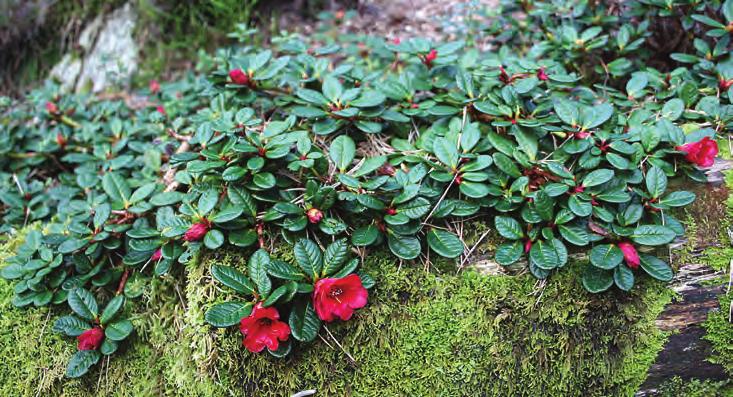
[
  {"x": 677, "y": 387},
  {"x": 422, "y": 334},
  {"x": 429, "y": 334}
]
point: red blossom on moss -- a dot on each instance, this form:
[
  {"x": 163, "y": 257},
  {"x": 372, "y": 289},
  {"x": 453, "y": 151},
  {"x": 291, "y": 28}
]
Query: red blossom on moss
[
  {"x": 90, "y": 339},
  {"x": 338, "y": 297},
  {"x": 314, "y": 215},
  {"x": 239, "y": 77},
  {"x": 630, "y": 254},
  {"x": 197, "y": 231},
  {"x": 701, "y": 153},
  {"x": 263, "y": 328}
]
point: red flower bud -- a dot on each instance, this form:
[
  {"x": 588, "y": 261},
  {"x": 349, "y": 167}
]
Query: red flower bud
[
  {"x": 90, "y": 339},
  {"x": 724, "y": 84},
  {"x": 239, "y": 77},
  {"x": 52, "y": 108},
  {"x": 527, "y": 246},
  {"x": 701, "y": 153},
  {"x": 579, "y": 189},
  {"x": 160, "y": 109},
  {"x": 581, "y": 134},
  {"x": 314, "y": 215},
  {"x": 338, "y": 297},
  {"x": 387, "y": 169},
  {"x": 60, "y": 139},
  {"x": 630, "y": 254},
  {"x": 154, "y": 86},
  {"x": 391, "y": 211},
  {"x": 196, "y": 232},
  {"x": 542, "y": 75},
  {"x": 428, "y": 59},
  {"x": 396, "y": 41},
  {"x": 156, "y": 255}
]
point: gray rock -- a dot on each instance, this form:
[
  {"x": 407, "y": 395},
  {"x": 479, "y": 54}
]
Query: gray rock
[{"x": 109, "y": 54}]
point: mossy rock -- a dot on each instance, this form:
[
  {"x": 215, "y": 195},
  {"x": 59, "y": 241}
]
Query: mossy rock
[{"x": 422, "y": 334}]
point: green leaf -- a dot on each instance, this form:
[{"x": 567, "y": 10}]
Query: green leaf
[
  {"x": 506, "y": 165},
  {"x": 544, "y": 255},
  {"x": 597, "y": 177},
  {"x": 678, "y": 199},
  {"x": 672, "y": 110},
  {"x": 606, "y": 256},
  {"x": 656, "y": 182},
  {"x": 309, "y": 257},
  {"x": 574, "y": 235},
  {"x": 226, "y": 314},
  {"x": 656, "y": 267},
  {"x": 566, "y": 111},
  {"x": 404, "y": 247},
  {"x": 332, "y": 88},
  {"x": 257, "y": 266},
  {"x": 284, "y": 270},
  {"x": 653, "y": 235},
  {"x": 624, "y": 278},
  {"x": 110, "y": 311},
  {"x": 233, "y": 279},
  {"x": 70, "y": 325},
  {"x": 446, "y": 152},
  {"x": 304, "y": 324},
  {"x": 213, "y": 239},
  {"x": 508, "y": 228},
  {"x": 335, "y": 256},
  {"x": 81, "y": 361},
  {"x": 597, "y": 280},
  {"x": 342, "y": 152},
  {"x": 508, "y": 253},
  {"x": 446, "y": 244},
  {"x": 365, "y": 235},
  {"x": 116, "y": 187},
  {"x": 82, "y": 302},
  {"x": 119, "y": 330}
]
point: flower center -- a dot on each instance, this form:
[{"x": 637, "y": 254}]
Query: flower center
[
  {"x": 335, "y": 292},
  {"x": 265, "y": 322}
]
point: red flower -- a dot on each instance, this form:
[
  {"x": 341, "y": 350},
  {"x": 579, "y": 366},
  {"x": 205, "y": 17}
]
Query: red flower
[
  {"x": 701, "y": 153},
  {"x": 541, "y": 74},
  {"x": 314, "y": 215},
  {"x": 630, "y": 254},
  {"x": 396, "y": 41},
  {"x": 196, "y": 232},
  {"x": 338, "y": 297},
  {"x": 263, "y": 328},
  {"x": 239, "y": 77},
  {"x": 52, "y": 108},
  {"x": 90, "y": 339},
  {"x": 156, "y": 255},
  {"x": 581, "y": 134},
  {"x": 160, "y": 109},
  {"x": 154, "y": 86}
]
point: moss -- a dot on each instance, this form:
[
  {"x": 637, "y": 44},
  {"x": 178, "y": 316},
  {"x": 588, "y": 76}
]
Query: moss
[
  {"x": 438, "y": 334},
  {"x": 422, "y": 334},
  {"x": 677, "y": 387}
]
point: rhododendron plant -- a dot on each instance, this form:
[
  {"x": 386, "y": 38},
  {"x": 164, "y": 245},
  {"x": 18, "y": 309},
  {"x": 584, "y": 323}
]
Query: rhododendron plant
[{"x": 562, "y": 139}]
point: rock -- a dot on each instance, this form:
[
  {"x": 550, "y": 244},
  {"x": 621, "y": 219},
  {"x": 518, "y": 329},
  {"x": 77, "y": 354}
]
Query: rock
[{"x": 109, "y": 54}]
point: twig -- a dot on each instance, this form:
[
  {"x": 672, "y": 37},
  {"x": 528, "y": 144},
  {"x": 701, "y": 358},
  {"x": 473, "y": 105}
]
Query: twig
[
  {"x": 468, "y": 254},
  {"x": 170, "y": 174},
  {"x": 123, "y": 281},
  {"x": 339, "y": 345}
]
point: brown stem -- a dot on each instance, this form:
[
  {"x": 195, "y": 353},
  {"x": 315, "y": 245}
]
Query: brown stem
[{"x": 123, "y": 281}]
